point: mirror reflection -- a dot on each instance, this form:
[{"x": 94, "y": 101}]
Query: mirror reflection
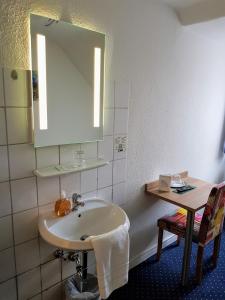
[{"x": 68, "y": 72}]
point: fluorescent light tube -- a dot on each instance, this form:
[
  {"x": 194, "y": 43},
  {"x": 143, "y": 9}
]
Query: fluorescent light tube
[
  {"x": 97, "y": 86},
  {"x": 42, "y": 86}
]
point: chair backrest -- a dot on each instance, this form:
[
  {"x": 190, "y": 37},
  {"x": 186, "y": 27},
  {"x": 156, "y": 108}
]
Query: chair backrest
[{"x": 212, "y": 220}]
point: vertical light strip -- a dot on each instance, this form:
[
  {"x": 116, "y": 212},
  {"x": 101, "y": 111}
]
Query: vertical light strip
[
  {"x": 42, "y": 88},
  {"x": 97, "y": 86}
]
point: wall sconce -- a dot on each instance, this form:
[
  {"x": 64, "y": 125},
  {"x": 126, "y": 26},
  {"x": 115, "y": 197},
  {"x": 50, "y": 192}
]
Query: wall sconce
[
  {"x": 42, "y": 86},
  {"x": 97, "y": 86}
]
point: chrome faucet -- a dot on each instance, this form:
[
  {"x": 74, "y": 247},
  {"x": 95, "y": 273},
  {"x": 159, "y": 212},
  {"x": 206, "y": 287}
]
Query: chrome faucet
[{"x": 76, "y": 202}]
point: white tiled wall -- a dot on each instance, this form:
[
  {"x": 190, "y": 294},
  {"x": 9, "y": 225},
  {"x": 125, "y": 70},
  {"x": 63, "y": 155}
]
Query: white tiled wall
[{"x": 27, "y": 266}]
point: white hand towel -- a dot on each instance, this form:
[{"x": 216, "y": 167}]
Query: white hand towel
[{"x": 112, "y": 260}]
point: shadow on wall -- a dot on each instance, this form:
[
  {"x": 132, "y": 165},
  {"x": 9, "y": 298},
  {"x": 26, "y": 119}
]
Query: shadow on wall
[
  {"x": 222, "y": 142},
  {"x": 143, "y": 213},
  {"x": 140, "y": 206},
  {"x": 221, "y": 154}
]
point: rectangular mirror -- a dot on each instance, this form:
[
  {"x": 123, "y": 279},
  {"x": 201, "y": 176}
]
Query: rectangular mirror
[{"x": 68, "y": 81}]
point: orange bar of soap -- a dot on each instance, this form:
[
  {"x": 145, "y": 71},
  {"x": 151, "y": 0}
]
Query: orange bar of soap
[{"x": 62, "y": 207}]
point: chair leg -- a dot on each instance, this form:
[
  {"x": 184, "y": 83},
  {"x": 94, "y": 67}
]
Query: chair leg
[
  {"x": 216, "y": 250},
  {"x": 199, "y": 264},
  {"x": 178, "y": 240},
  {"x": 159, "y": 248}
]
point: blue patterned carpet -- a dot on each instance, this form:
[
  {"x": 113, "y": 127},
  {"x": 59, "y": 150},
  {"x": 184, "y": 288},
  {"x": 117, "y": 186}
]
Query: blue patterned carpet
[{"x": 161, "y": 280}]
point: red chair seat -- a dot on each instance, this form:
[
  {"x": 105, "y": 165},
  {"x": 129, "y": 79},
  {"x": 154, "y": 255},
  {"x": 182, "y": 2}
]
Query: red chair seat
[{"x": 176, "y": 223}]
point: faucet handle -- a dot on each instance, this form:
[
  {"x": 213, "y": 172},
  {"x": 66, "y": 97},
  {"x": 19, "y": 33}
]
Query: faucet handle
[{"x": 75, "y": 197}]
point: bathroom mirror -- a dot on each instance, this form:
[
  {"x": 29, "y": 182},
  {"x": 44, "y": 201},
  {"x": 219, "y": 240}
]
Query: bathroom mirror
[{"x": 68, "y": 81}]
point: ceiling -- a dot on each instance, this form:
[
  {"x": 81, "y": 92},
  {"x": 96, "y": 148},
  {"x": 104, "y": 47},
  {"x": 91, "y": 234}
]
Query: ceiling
[
  {"x": 182, "y": 3},
  {"x": 214, "y": 29},
  {"x": 206, "y": 17}
]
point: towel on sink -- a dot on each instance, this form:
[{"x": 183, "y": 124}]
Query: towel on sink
[{"x": 112, "y": 259}]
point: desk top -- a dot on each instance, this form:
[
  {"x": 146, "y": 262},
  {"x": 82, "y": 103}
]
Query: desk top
[{"x": 192, "y": 200}]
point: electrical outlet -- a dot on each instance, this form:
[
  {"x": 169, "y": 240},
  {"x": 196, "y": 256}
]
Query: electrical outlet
[{"x": 120, "y": 143}]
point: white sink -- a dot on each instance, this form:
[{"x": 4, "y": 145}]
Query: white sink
[{"x": 96, "y": 218}]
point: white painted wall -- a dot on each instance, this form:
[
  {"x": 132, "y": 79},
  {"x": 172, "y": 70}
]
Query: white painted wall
[{"x": 177, "y": 80}]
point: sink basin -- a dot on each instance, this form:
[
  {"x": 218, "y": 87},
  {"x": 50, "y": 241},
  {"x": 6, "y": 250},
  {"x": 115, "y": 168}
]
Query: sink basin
[{"x": 96, "y": 218}]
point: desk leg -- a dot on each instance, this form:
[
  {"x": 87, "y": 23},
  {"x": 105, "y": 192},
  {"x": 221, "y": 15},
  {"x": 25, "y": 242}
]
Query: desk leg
[{"x": 188, "y": 246}]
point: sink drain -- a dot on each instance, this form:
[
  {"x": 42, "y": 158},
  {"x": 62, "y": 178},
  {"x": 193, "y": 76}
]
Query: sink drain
[{"x": 83, "y": 237}]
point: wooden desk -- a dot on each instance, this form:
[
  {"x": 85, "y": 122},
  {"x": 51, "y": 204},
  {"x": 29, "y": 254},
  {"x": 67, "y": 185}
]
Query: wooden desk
[{"x": 192, "y": 201}]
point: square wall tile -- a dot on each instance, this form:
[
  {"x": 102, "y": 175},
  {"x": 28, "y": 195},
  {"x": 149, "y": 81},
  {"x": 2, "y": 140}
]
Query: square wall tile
[
  {"x": 4, "y": 169},
  {"x": 24, "y": 194},
  {"x": 119, "y": 193},
  {"x": 18, "y": 123},
  {"x": 90, "y": 150},
  {"x": 108, "y": 121},
  {"x": 92, "y": 269},
  {"x": 27, "y": 256},
  {"x": 17, "y": 87},
  {"x": 122, "y": 93},
  {"x": 121, "y": 121},
  {"x": 6, "y": 240},
  {"x": 50, "y": 273},
  {"x": 46, "y": 208},
  {"x": 89, "y": 195},
  {"x": 3, "y": 140},
  {"x": 92, "y": 263},
  {"x": 5, "y": 200},
  {"x": 70, "y": 183},
  {"x": 37, "y": 297},
  {"x": 88, "y": 181},
  {"x": 25, "y": 225},
  {"x": 29, "y": 284},
  {"x": 68, "y": 153},
  {"x": 8, "y": 290},
  {"x": 105, "y": 148},
  {"x": 2, "y": 102},
  {"x": 119, "y": 171},
  {"x": 91, "y": 258},
  {"x": 46, "y": 250},
  {"x": 7, "y": 264},
  {"x": 68, "y": 269},
  {"x": 47, "y": 156},
  {"x": 21, "y": 160},
  {"x": 105, "y": 194},
  {"x": 48, "y": 190},
  {"x": 54, "y": 293},
  {"x": 105, "y": 176}
]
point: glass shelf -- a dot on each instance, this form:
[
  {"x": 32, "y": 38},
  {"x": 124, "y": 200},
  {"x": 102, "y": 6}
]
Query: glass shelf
[{"x": 73, "y": 167}]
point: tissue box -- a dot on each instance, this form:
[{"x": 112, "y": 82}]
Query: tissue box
[{"x": 164, "y": 183}]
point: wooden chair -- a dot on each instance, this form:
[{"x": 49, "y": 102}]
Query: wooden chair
[{"x": 207, "y": 227}]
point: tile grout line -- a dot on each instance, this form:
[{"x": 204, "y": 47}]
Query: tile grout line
[
  {"x": 25, "y": 210},
  {"x": 97, "y": 168},
  {"x": 38, "y": 237},
  {"x": 25, "y": 143},
  {"x": 21, "y": 178},
  {"x": 80, "y": 176},
  {"x": 21, "y": 243},
  {"x": 59, "y": 161},
  {"x": 114, "y": 117},
  {"x": 10, "y": 187},
  {"x": 60, "y": 193},
  {"x": 7, "y": 106}
]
